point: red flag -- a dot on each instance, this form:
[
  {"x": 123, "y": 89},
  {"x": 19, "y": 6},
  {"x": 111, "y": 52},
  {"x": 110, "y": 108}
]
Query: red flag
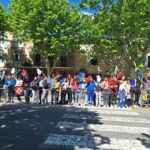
[
  {"x": 120, "y": 74},
  {"x": 24, "y": 72}
]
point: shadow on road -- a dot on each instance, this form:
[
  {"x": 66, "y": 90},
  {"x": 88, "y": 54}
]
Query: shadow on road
[
  {"x": 33, "y": 127},
  {"x": 145, "y": 140}
]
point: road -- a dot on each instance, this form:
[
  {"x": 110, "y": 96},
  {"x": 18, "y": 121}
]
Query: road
[{"x": 45, "y": 127}]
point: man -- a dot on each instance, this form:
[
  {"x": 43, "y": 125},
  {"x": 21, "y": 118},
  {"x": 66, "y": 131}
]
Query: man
[
  {"x": 11, "y": 84},
  {"x": 90, "y": 90}
]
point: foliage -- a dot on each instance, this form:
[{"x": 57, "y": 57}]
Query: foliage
[
  {"x": 118, "y": 31},
  {"x": 139, "y": 67},
  {"x": 121, "y": 31},
  {"x": 53, "y": 26},
  {"x": 3, "y": 21}
]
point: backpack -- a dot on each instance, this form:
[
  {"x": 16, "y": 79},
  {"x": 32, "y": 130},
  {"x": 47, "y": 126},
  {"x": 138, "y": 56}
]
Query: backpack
[{"x": 33, "y": 85}]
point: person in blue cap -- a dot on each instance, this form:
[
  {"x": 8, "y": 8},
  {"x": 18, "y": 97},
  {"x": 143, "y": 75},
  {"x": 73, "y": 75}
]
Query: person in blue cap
[{"x": 90, "y": 90}]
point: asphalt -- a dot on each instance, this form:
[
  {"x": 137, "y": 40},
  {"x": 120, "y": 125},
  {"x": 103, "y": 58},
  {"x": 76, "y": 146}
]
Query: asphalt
[{"x": 27, "y": 127}]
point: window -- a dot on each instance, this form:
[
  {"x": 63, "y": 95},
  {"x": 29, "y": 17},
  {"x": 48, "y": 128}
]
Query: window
[
  {"x": 37, "y": 60},
  {"x": 17, "y": 56},
  {"x": 63, "y": 61}
]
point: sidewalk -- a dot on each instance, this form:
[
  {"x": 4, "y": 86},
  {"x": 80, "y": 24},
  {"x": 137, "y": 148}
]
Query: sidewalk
[{"x": 3, "y": 102}]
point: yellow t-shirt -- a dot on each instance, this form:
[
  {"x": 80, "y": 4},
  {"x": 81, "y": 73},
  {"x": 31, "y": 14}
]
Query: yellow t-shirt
[{"x": 56, "y": 85}]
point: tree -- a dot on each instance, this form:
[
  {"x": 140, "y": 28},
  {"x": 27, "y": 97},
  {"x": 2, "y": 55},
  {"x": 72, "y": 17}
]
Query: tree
[
  {"x": 3, "y": 21},
  {"x": 52, "y": 26},
  {"x": 122, "y": 31}
]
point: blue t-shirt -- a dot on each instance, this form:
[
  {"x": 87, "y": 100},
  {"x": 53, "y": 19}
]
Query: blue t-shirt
[{"x": 91, "y": 86}]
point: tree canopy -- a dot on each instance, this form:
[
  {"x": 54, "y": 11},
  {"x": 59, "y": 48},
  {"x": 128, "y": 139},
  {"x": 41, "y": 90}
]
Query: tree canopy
[
  {"x": 119, "y": 31},
  {"x": 53, "y": 26},
  {"x": 3, "y": 21}
]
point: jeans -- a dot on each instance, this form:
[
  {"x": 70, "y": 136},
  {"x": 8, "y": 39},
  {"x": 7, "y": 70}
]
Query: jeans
[
  {"x": 63, "y": 96},
  {"x": 27, "y": 95},
  {"x": 82, "y": 97},
  {"x": 75, "y": 97},
  {"x": 122, "y": 95},
  {"x": 35, "y": 95},
  {"x": 90, "y": 97},
  {"x": 44, "y": 96},
  {"x": 69, "y": 93},
  {"x": 10, "y": 94},
  {"x": 98, "y": 98},
  {"x": 137, "y": 97},
  {"x": 113, "y": 99},
  {"x": 54, "y": 96},
  {"x": 40, "y": 94}
]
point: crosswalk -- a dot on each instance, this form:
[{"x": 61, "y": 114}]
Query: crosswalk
[{"x": 92, "y": 128}]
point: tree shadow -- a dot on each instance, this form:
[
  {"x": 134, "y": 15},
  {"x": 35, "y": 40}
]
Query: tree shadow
[
  {"x": 27, "y": 127},
  {"x": 145, "y": 140}
]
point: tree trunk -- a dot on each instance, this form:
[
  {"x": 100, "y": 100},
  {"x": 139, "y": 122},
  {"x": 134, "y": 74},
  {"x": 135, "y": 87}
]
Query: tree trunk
[
  {"x": 47, "y": 66},
  {"x": 55, "y": 62}
]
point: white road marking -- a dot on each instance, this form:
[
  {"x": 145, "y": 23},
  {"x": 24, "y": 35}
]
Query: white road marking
[
  {"x": 105, "y": 128},
  {"x": 106, "y": 118},
  {"x": 113, "y": 112},
  {"x": 98, "y": 142}
]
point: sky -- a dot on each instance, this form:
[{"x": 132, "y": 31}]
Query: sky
[{"x": 6, "y": 2}]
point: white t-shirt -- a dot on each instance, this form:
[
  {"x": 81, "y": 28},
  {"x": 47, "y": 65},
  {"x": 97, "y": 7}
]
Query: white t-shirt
[
  {"x": 122, "y": 86},
  {"x": 19, "y": 82}
]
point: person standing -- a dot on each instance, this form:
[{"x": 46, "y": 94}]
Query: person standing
[
  {"x": 137, "y": 92},
  {"x": 19, "y": 88},
  {"x": 44, "y": 96},
  {"x": 106, "y": 91},
  {"x": 114, "y": 91},
  {"x": 35, "y": 90},
  {"x": 122, "y": 92},
  {"x": 82, "y": 90},
  {"x": 11, "y": 84},
  {"x": 2, "y": 75},
  {"x": 5, "y": 87},
  {"x": 90, "y": 90},
  {"x": 56, "y": 90},
  {"x": 51, "y": 85},
  {"x": 74, "y": 86},
  {"x": 128, "y": 94},
  {"x": 64, "y": 87},
  {"x": 98, "y": 93},
  {"x": 26, "y": 87},
  {"x": 69, "y": 90}
]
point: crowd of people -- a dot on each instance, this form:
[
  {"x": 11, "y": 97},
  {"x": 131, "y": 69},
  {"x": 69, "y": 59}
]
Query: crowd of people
[{"x": 80, "y": 89}]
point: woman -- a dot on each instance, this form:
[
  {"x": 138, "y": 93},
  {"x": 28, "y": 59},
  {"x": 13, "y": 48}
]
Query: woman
[
  {"x": 128, "y": 94},
  {"x": 106, "y": 91},
  {"x": 26, "y": 87},
  {"x": 122, "y": 92},
  {"x": 64, "y": 87},
  {"x": 74, "y": 86},
  {"x": 137, "y": 92},
  {"x": 35, "y": 90},
  {"x": 44, "y": 96},
  {"x": 114, "y": 91},
  {"x": 19, "y": 88},
  {"x": 69, "y": 90}
]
